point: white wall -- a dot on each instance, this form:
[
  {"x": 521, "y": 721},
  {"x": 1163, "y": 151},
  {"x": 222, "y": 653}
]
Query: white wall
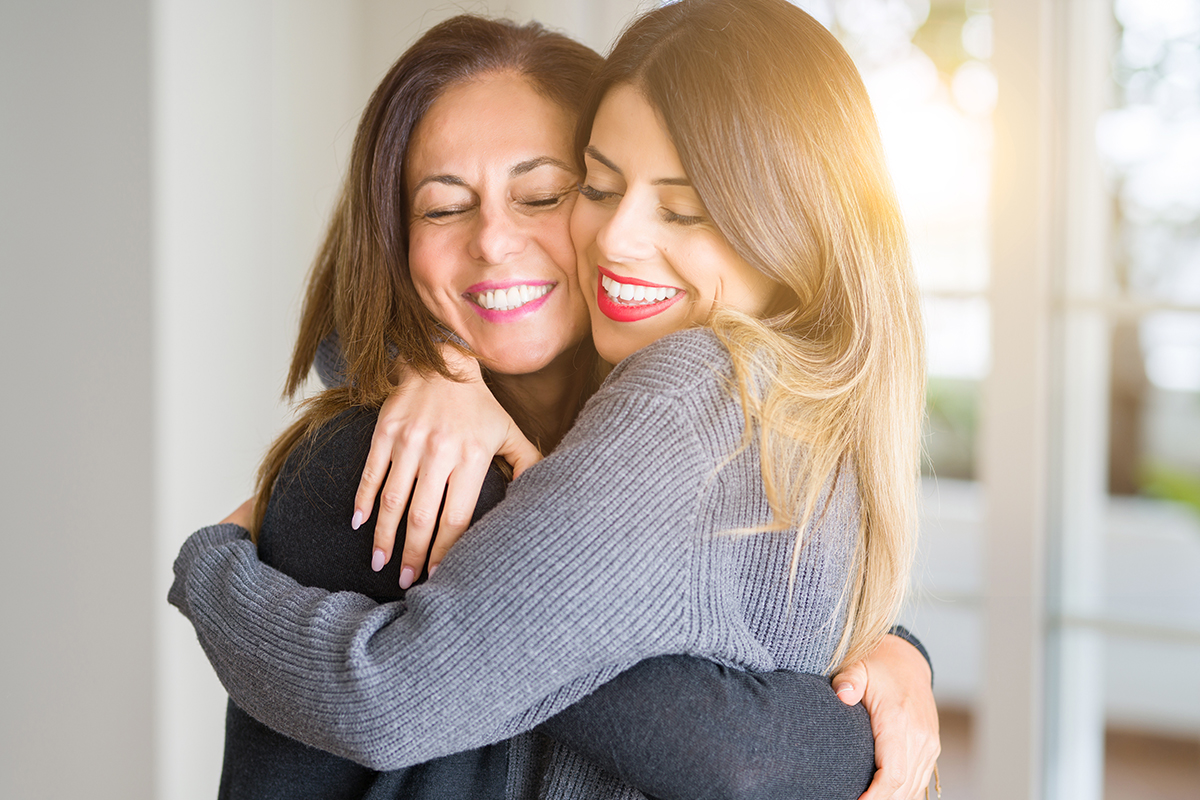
[
  {"x": 166, "y": 168},
  {"x": 255, "y": 104},
  {"x": 75, "y": 478}
]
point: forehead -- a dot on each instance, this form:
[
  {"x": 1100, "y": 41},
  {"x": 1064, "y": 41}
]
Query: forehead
[
  {"x": 629, "y": 129},
  {"x": 488, "y": 125}
]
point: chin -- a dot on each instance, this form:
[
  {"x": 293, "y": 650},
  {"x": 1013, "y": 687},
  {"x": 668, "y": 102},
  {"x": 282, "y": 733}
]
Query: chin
[{"x": 522, "y": 359}]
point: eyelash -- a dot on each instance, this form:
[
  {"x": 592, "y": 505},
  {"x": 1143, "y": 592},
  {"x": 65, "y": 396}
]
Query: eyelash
[
  {"x": 680, "y": 219},
  {"x": 538, "y": 203},
  {"x": 442, "y": 213},
  {"x": 544, "y": 202},
  {"x": 595, "y": 195}
]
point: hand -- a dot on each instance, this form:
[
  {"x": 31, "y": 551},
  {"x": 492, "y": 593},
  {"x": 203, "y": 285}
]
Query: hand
[
  {"x": 894, "y": 684},
  {"x": 438, "y": 436},
  {"x": 243, "y": 516}
]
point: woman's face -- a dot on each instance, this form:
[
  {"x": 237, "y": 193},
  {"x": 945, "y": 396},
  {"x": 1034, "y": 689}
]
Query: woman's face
[
  {"x": 650, "y": 260},
  {"x": 491, "y": 185}
]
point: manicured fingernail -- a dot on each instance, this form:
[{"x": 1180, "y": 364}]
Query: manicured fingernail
[
  {"x": 432, "y": 569},
  {"x": 843, "y": 688},
  {"x": 377, "y": 560},
  {"x": 406, "y": 577},
  {"x": 356, "y": 520}
]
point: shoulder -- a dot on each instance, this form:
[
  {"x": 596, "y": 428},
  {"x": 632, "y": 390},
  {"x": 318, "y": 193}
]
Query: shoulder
[
  {"x": 678, "y": 389},
  {"x": 679, "y": 364},
  {"x": 306, "y": 531}
]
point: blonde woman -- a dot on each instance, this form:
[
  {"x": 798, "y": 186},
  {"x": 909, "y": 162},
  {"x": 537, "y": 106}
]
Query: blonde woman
[{"x": 742, "y": 491}]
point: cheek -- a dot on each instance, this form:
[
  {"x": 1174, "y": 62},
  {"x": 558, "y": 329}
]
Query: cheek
[
  {"x": 554, "y": 238},
  {"x": 430, "y": 269},
  {"x": 585, "y": 222}
]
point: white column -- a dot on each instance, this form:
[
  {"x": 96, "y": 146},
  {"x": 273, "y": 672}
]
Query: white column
[
  {"x": 255, "y": 104},
  {"x": 1015, "y": 407},
  {"x": 1075, "y": 667}
]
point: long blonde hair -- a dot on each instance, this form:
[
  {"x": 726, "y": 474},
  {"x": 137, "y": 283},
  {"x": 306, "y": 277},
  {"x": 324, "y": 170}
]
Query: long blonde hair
[{"x": 775, "y": 130}]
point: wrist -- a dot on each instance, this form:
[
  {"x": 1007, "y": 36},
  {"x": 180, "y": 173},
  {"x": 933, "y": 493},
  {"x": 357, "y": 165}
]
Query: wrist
[
  {"x": 899, "y": 632},
  {"x": 461, "y": 364}
]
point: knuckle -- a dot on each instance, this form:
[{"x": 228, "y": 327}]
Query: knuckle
[
  {"x": 458, "y": 518},
  {"x": 439, "y": 443},
  {"x": 386, "y": 429},
  {"x": 391, "y": 501},
  {"x": 476, "y": 450},
  {"x": 420, "y": 517}
]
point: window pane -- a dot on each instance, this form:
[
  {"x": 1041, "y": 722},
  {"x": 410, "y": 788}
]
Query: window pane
[{"x": 1149, "y": 141}]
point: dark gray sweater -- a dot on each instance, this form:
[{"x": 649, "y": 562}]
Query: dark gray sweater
[{"x": 622, "y": 545}]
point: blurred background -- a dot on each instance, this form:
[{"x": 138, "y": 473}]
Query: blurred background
[{"x": 166, "y": 169}]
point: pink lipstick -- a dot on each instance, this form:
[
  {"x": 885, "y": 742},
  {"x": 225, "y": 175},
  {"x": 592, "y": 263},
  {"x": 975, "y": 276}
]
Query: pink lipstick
[{"x": 508, "y": 301}]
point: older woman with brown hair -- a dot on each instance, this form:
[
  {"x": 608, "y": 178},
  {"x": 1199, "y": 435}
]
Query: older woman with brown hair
[{"x": 534, "y": 609}]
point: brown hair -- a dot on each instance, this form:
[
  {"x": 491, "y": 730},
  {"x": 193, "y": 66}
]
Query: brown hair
[
  {"x": 775, "y": 130},
  {"x": 360, "y": 285}
]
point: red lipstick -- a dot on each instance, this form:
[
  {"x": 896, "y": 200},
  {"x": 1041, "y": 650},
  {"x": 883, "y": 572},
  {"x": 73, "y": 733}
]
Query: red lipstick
[{"x": 622, "y": 312}]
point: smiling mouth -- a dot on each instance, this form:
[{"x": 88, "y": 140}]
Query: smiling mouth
[
  {"x": 511, "y": 298},
  {"x": 626, "y": 301},
  {"x": 635, "y": 294}
]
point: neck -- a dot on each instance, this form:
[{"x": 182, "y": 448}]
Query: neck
[{"x": 544, "y": 403}]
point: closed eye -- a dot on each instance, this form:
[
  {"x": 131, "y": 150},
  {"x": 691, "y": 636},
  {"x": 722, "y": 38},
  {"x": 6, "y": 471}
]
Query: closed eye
[
  {"x": 442, "y": 213},
  {"x": 544, "y": 202},
  {"x": 592, "y": 193},
  {"x": 681, "y": 219}
]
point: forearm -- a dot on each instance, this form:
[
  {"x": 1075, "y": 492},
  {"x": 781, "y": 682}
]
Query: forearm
[
  {"x": 532, "y": 609},
  {"x": 685, "y": 727}
]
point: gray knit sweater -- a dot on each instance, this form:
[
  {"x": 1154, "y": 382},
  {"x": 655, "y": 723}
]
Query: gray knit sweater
[{"x": 627, "y": 542}]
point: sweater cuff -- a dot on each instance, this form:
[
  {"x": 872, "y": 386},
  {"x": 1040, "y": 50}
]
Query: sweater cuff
[
  {"x": 198, "y": 543},
  {"x": 905, "y": 634}
]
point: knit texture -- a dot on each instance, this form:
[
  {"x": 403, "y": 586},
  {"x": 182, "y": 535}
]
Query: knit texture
[{"x": 626, "y": 543}]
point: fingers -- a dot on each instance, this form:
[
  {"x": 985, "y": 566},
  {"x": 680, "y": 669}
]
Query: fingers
[
  {"x": 462, "y": 493},
  {"x": 888, "y": 784},
  {"x": 851, "y": 683},
  {"x": 899, "y": 768},
  {"x": 379, "y": 458},
  {"x": 423, "y": 514},
  {"x": 392, "y": 502},
  {"x": 519, "y": 451}
]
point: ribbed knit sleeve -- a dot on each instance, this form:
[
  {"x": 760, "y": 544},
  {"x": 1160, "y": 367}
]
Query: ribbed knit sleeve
[
  {"x": 585, "y": 569},
  {"x": 628, "y": 542}
]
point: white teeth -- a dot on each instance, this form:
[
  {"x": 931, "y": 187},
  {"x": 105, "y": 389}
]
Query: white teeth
[
  {"x": 635, "y": 293},
  {"x": 513, "y": 297}
]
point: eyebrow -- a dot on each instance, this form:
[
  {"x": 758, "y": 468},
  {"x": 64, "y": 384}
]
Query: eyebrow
[
  {"x": 447, "y": 180},
  {"x": 596, "y": 154},
  {"x": 534, "y": 163},
  {"x": 518, "y": 170}
]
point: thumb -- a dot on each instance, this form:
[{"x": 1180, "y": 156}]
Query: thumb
[
  {"x": 851, "y": 683},
  {"x": 519, "y": 452}
]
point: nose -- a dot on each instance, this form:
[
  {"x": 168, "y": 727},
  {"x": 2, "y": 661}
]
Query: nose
[
  {"x": 627, "y": 234},
  {"x": 497, "y": 237}
]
